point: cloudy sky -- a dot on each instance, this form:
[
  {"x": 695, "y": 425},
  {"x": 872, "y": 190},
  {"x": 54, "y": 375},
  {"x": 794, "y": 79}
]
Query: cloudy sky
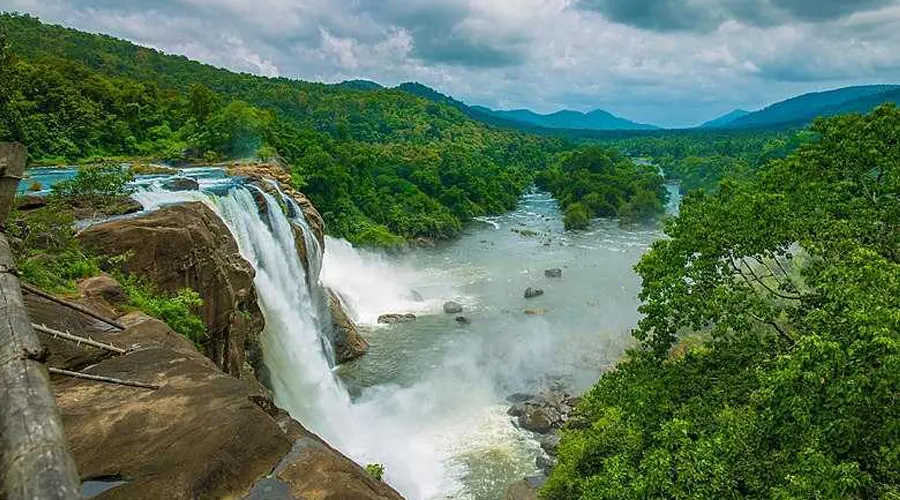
[{"x": 668, "y": 62}]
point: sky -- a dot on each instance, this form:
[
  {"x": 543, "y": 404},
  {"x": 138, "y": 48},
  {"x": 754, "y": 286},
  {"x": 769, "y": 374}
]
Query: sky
[{"x": 668, "y": 62}]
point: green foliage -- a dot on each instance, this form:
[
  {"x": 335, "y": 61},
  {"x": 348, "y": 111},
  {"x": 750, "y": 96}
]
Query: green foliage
[
  {"x": 46, "y": 251},
  {"x": 179, "y": 311},
  {"x": 794, "y": 277},
  {"x": 99, "y": 187},
  {"x": 371, "y": 160},
  {"x": 701, "y": 159},
  {"x": 594, "y": 181},
  {"x": 577, "y": 217},
  {"x": 50, "y": 257},
  {"x": 376, "y": 471}
]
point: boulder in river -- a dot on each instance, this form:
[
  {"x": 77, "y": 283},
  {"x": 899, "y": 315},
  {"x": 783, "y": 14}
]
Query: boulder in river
[
  {"x": 390, "y": 319},
  {"x": 348, "y": 344},
  {"x": 544, "y": 413},
  {"x": 462, "y": 320},
  {"x": 181, "y": 184},
  {"x": 532, "y": 292},
  {"x": 453, "y": 307},
  {"x": 553, "y": 273}
]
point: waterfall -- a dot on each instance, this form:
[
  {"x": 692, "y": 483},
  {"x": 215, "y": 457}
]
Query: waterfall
[
  {"x": 298, "y": 358},
  {"x": 386, "y": 426}
]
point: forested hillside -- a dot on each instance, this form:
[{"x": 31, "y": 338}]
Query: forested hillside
[
  {"x": 769, "y": 356},
  {"x": 381, "y": 164}
]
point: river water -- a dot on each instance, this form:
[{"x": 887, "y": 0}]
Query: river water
[
  {"x": 428, "y": 400},
  {"x": 434, "y": 390}
]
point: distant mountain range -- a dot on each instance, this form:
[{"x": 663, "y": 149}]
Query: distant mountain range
[
  {"x": 726, "y": 119},
  {"x": 529, "y": 120},
  {"x": 571, "y": 120},
  {"x": 803, "y": 109},
  {"x": 795, "y": 112}
]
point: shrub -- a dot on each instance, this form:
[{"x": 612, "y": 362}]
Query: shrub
[
  {"x": 577, "y": 217},
  {"x": 376, "y": 471},
  {"x": 179, "y": 311},
  {"x": 95, "y": 186}
]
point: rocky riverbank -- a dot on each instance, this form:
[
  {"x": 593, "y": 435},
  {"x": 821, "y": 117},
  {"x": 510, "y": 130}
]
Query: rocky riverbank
[{"x": 544, "y": 414}]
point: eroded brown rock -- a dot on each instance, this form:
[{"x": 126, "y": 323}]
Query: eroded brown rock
[
  {"x": 348, "y": 344},
  {"x": 188, "y": 246},
  {"x": 202, "y": 435}
]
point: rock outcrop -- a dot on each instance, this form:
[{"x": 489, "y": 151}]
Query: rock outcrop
[
  {"x": 526, "y": 489},
  {"x": 390, "y": 319},
  {"x": 188, "y": 246},
  {"x": 545, "y": 415},
  {"x": 453, "y": 307},
  {"x": 202, "y": 434},
  {"x": 553, "y": 273},
  {"x": 181, "y": 184},
  {"x": 348, "y": 343}
]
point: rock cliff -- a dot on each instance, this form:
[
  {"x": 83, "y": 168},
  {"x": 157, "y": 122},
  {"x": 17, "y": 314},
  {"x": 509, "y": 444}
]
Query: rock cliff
[
  {"x": 189, "y": 246},
  {"x": 202, "y": 434}
]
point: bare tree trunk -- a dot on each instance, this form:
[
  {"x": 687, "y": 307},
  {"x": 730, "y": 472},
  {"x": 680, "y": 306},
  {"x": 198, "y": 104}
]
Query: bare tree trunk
[{"x": 35, "y": 462}]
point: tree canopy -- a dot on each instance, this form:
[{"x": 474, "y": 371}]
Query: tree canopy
[{"x": 769, "y": 358}]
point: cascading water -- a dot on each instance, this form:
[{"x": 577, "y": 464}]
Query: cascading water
[
  {"x": 297, "y": 358},
  {"x": 294, "y": 352},
  {"x": 429, "y": 397}
]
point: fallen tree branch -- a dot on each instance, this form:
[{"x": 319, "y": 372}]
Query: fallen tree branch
[
  {"x": 100, "y": 378},
  {"x": 79, "y": 340},
  {"x": 78, "y": 307}
]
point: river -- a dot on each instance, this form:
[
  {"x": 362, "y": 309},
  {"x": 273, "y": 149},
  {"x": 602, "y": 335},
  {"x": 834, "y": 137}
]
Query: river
[
  {"x": 429, "y": 399},
  {"x": 434, "y": 390}
]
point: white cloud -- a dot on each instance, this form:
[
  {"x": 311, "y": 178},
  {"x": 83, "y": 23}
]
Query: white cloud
[{"x": 542, "y": 54}]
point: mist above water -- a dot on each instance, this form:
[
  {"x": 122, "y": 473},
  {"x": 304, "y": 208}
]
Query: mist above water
[{"x": 428, "y": 401}]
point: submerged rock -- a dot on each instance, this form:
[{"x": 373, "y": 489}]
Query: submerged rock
[
  {"x": 348, "y": 344},
  {"x": 519, "y": 397},
  {"x": 390, "y": 319},
  {"x": 535, "y": 312},
  {"x": 453, "y": 307},
  {"x": 531, "y": 293},
  {"x": 553, "y": 273},
  {"x": 545, "y": 463},
  {"x": 181, "y": 184},
  {"x": 462, "y": 320}
]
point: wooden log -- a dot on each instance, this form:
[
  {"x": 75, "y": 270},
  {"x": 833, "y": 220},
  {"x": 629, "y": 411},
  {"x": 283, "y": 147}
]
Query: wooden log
[
  {"x": 101, "y": 378},
  {"x": 79, "y": 340},
  {"x": 71, "y": 305},
  {"x": 35, "y": 462},
  {"x": 12, "y": 166}
]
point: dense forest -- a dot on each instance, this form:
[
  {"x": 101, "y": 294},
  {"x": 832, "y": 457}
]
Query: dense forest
[
  {"x": 382, "y": 165},
  {"x": 769, "y": 355},
  {"x": 594, "y": 181}
]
